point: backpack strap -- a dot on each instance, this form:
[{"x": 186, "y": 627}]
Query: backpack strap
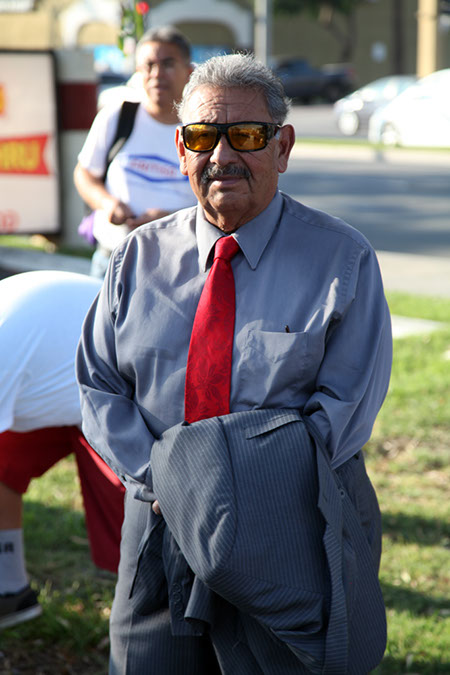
[{"x": 125, "y": 125}]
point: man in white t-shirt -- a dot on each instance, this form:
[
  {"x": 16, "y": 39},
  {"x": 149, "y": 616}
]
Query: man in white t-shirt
[
  {"x": 143, "y": 181},
  {"x": 41, "y": 314}
]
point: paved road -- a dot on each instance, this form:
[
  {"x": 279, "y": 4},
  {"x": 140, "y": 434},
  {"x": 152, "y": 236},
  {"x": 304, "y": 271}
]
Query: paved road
[
  {"x": 399, "y": 199},
  {"x": 312, "y": 121}
]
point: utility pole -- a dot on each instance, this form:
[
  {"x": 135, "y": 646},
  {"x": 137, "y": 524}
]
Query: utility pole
[
  {"x": 263, "y": 30},
  {"x": 427, "y": 37}
]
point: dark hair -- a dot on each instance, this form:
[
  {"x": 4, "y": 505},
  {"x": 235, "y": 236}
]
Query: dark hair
[
  {"x": 169, "y": 35},
  {"x": 241, "y": 71}
]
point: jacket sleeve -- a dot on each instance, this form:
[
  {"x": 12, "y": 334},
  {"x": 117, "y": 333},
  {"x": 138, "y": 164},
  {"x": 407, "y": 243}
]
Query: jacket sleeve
[
  {"x": 353, "y": 377},
  {"x": 112, "y": 421}
]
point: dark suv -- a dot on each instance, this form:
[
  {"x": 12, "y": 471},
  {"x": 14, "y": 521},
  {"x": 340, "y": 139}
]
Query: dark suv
[{"x": 304, "y": 83}]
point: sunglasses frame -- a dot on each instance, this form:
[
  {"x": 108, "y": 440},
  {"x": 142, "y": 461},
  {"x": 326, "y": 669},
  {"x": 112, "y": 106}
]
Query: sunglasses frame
[{"x": 222, "y": 129}]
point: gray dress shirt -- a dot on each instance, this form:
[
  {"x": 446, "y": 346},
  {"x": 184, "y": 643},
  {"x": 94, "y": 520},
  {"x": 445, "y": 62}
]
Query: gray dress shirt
[{"x": 312, "y": 331}]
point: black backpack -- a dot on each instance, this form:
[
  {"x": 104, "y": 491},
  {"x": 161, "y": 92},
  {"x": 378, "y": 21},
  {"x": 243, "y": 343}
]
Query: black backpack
[{"x": 125, "y": 125}]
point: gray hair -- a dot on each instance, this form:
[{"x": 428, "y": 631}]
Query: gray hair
[
  {"x": 241, "y": 71},
  {"x": 168, "y": 35}
]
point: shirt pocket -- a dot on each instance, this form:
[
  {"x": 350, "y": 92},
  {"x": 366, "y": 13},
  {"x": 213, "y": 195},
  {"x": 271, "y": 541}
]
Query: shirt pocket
[{"x": 275, "y": 368}]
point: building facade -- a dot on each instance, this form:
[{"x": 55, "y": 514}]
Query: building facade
[{"x": 379, "y": 40}]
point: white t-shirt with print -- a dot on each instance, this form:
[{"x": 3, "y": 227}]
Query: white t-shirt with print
[{"x": 144, "y": 174}]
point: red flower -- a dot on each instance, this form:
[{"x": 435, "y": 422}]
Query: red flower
[{"x": 142, "y": 8}]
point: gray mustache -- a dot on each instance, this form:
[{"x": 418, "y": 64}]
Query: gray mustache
[{"x": 213, "y": 172}]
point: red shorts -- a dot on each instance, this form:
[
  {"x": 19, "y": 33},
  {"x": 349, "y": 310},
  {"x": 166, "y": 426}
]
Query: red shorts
[{"x": 28, "y": 455}]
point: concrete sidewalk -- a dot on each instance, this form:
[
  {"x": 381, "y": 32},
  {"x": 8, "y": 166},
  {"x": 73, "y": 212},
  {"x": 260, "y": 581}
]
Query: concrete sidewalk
[{"x": 417, "y": 274}]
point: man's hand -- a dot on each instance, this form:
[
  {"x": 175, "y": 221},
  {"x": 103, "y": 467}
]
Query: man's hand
[
  {"x": 146, "y": 217},
  {"x": 93, "y": 191},
  {"x": 116, "y": 211},
  {"x": 155, "y": 507}
]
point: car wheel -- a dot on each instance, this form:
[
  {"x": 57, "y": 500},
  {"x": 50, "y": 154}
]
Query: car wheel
[
  {"x": 348, "y": 123},
  {"x": 389, "y": 135}
]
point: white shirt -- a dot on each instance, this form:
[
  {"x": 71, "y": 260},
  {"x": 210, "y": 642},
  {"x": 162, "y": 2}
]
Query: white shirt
[
  {"x": 144, "y": 174},
  {"x": 41, "y": 314}
]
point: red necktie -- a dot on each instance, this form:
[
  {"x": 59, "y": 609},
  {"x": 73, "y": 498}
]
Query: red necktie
[{"x": 208, "y": 372}]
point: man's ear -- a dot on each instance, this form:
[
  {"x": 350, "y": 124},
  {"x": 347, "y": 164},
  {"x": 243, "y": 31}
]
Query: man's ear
[
  {"x": 181, "y": 150},
  {"x": 285, "y": 144}
]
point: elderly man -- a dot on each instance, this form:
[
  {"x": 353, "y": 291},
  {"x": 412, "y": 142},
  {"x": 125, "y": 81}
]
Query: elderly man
[{"x": 231, "y": 370}]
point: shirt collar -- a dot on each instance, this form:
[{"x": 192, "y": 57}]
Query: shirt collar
[{"x": 251, "y": 237}]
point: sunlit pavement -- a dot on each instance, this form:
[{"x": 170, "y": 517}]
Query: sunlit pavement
[{"x": 403, "y": 326}]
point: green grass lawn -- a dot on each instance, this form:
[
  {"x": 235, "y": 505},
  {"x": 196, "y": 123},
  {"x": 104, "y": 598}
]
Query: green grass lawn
[
  {"x": 40, "y": 243},
  {"x": 408, "y": 460}
]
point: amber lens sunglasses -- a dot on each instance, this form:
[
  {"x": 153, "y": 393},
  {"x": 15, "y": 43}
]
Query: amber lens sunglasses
[{"x": 242, "y": 136}]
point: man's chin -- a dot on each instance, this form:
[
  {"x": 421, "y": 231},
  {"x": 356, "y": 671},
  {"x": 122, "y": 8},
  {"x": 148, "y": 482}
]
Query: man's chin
[{"x": 225, "y": 200}]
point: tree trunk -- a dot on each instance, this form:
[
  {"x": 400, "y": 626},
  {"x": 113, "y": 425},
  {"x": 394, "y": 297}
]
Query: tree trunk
[{"x": 345, "y": 36}]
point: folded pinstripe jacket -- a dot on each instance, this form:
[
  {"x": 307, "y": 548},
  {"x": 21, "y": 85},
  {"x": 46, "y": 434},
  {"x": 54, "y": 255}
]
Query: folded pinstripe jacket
[{"x": 263, "y": 520}]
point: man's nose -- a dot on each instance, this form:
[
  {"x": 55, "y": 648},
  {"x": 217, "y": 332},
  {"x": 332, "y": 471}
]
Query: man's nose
[
  {"x": 223, "y": 152},
  {"x": 157, "y": 69}
]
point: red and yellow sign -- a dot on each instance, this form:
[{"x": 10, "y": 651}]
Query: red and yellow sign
[
  {"x": 29, "y": 173},
  {"x": 9, "y": 221},
  {"x": 23, "y": 155}
]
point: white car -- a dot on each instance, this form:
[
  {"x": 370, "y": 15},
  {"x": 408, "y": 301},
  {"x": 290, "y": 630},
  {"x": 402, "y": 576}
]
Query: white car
[
  {"x": 420, "y": 116},
  {"x": 352, "y": 112}
]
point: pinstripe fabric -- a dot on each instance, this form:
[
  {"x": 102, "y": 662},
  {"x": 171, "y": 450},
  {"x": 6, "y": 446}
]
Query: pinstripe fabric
[
  {"x": 367, "y": 615},
  {"x": 142, "y": 642},
  {"x": 244, "y": 647},
  {"x": 141, "y": 629},
  {"x": 359, "y": 525},
  {"x": 240, "y": 494}
]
